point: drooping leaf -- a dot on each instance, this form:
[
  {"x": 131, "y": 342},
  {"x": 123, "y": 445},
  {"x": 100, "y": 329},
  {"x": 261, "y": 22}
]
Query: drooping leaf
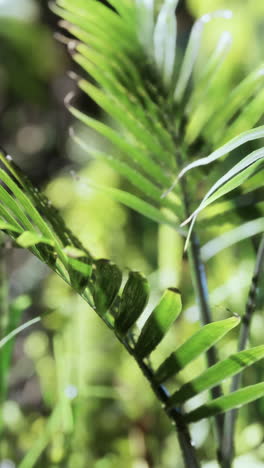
[
  {"x": 196, "y": 345},
  {"x": 159, "y": 322},
  {"x": 231, "y": 180},
  {"x": 133, "y": 301},
  {"x": 229, "y": 238},
  {"x": 240, "y": 140},
  {"x": 15, "y": 332},
  {"x": 107, "y": 283}
]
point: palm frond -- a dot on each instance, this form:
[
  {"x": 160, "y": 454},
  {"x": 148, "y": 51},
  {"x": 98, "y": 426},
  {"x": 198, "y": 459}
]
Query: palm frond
[
  {"x": 99, "y": 281},
  {"x": 141, "y": 89}
]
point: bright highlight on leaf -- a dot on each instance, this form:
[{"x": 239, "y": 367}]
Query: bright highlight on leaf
[
  {"x": 28, "y": 239},
  {"x": 164, "y": 37},
  {"x": 17, "y": 330},
  {"x": 193, "y": 49},
  {"x": 159, "y": 322},
  {"x": 240, "y": 140},
  {"x": 231, "y": 180}
]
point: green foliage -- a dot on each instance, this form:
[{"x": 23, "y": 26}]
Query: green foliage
[
  {"x": 197, "y": 344},
  {"x": 234, "y": 400},
  {"x": 217, "y": 373},
  {"x": 159, "y": 117},
  {"x": 133, "y": 301},
  {"x": 101, "y": 290},
  {"x": 159, "y": 322}
]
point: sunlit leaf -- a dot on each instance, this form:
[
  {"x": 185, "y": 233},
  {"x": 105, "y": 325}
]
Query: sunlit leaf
[
  {"x": 196, "y": 345},
  {"x": 231, "y": 180},
  {"x": 192, "y": 50},
  {"x": 28, "y": 239},
  {"x": 217, "y": 373},
  {"x": 159, "y": 322},
  {"x": 226, "y": 403},
  {"x": 248, "y": 87},
  {"x": 243, "y": 138},
  {"x": 164, "y": 38}
]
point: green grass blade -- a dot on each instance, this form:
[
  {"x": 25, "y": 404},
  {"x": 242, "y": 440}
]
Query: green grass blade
[
  {"x": 53, "y": 424},
  {"x": 15, "y": 332}
]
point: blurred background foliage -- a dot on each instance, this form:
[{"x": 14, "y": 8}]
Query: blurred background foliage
[{"x": 75, "y": 399}]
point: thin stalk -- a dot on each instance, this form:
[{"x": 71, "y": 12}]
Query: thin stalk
[
  {"x": 199, "y": 281},
  {"x": 175, "y": 415},
  {"x": 230, "y": 422},
  {"x": 163, "y": 395},
  {"x": 3, "y": 292},
  {"x": 3, "y": 325}
]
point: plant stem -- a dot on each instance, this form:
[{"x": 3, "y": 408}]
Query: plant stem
[
  {"x": 230, "y": 422},
  {"x": 3, "y": 324},
  {"x": 3, "y": 292},
  {"x": 163, "y": 395},
  {"x": 199, "y": 281},
  {"x": 201, "y": 293},
  {"x": 175, "y": 415}
]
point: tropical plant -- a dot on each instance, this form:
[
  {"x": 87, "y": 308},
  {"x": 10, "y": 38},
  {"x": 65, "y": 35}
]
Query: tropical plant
[{"x": 169, "y": 129}]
